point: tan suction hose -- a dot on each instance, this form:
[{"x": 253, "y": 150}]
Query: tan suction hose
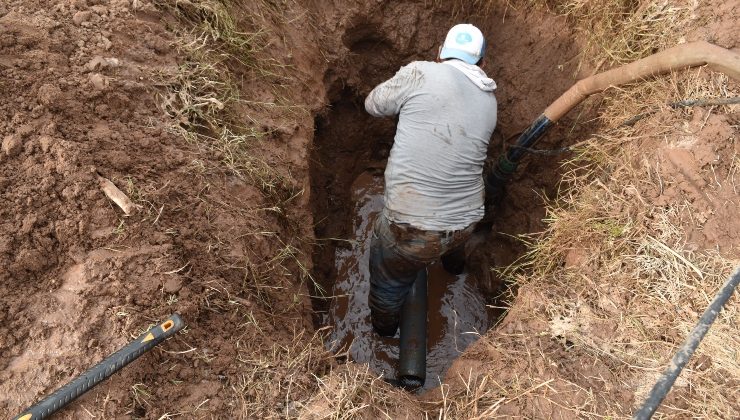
[
  {"x": 682, "y": 56},
  {"x": 676, "y": 58}
]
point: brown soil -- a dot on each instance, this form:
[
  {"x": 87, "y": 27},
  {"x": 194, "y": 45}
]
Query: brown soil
[
  {"x": 79, "y": 94},
  {"x": 236, "y": 248}
]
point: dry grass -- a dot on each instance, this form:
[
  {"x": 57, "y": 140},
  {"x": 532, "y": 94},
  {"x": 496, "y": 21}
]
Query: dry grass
[
  {"x": 354, "y": 392},
  {"x": 203, "y": 106},
  {"x": 300, "y": 380},
  {"x": 612, "y": 282},
  {"x": 275, "y": 382},
  {"x": 213, "y": 25},
  {"x": 621, "y": 31},
  {"x": 203, "y": 96},
  {"x": 623, "y": 284},
  {"x": 625, "y": 102}
]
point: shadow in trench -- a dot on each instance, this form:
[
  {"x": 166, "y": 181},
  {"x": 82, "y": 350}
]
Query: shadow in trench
[{"x": 347, "y": 161}]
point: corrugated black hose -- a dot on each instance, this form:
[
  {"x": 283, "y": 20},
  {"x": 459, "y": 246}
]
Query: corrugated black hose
[{"x": 664, "y": 384}]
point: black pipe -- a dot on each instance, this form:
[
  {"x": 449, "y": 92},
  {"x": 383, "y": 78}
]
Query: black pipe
[
  {"x": 664, "y": 384},
  {"x": 412, "y": 364},
  {"x": 103, "y": 370},
  {"x": 506, "y": 166},
  {"x": 528, "y": 138}
]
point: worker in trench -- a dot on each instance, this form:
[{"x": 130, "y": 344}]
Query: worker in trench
[{"x": 434, "y": 188}]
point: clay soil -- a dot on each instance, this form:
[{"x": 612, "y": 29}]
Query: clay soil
[{"x": 244, "y": 194}]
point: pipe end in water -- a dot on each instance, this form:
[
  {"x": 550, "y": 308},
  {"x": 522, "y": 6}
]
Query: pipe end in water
[{"x": 411, "y": 382}]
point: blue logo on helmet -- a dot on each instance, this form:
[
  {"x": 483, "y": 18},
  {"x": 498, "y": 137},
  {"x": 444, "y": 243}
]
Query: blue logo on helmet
[{"x": 463, "y": 38}]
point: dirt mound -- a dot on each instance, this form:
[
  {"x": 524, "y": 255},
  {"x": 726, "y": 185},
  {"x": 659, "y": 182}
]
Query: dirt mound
[
  {"x": 74, "y": 104},
  {"x": 237, "y": 128},
  {"x": 82, "y": 84}
]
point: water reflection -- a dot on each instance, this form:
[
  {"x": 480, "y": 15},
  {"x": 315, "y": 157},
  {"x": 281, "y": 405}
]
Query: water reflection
[{"x": 457, "y": 312}]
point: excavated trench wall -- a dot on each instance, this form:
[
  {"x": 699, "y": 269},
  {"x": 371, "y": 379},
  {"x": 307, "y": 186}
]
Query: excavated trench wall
[{"x": 533, "y": 59}]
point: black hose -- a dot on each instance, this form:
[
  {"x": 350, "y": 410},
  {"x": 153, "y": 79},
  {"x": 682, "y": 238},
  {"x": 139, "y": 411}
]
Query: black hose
[
  {"x": 685, "y": 104},
  {"x": 412, "y": 360},
  {"x": 497, "y": 178},
  {"x": 103, "y": 370},
  {"x": 528, "y": 138},
  {"x": 664, "y": 384}
]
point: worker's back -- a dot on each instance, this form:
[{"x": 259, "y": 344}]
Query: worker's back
[{"x": 433, "y": 177}]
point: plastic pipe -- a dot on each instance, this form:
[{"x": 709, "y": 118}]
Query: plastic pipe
[
  {"x": 412, "y": 363},
  {"x": 497, "y": 179}
]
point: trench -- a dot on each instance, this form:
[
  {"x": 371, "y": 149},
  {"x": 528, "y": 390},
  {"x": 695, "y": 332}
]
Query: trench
[{"x": 348, "y": 157}]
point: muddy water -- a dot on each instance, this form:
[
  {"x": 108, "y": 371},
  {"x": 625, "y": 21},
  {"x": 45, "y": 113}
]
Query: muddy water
[{"x": 457, "y": 312}]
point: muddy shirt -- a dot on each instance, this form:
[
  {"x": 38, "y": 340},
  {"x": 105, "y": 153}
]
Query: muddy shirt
[{"x": 433, "y": 180}]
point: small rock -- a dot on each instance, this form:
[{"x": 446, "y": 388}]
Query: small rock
[
  {"x": 30, "y": 146},
  {"x": 103, "y": 110},
  {"x": 49, "y": 129},
  {"x": 100, "y": 9},
  {"x": 37, "y": 112},
  {"x": 106, "y": 43},
  {"x": 98, "y": 81},
  {"x": 5, "y": 243},
  {"x": 172, "y": 285},
  {"x": 12, "y": 145},
  {"x": 49, "y": 93},
  {"x": 46, "y": 142},
  {"x": 157, "y": 43},
  {"x": 81, "y": 16},
  {"x": 96, "y": 63}
]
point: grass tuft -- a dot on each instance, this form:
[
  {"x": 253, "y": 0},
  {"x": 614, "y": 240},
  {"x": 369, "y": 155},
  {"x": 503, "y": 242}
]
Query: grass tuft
[{"x": 203, "y": 96}]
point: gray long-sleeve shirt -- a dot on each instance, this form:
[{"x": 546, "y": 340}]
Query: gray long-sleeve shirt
[{"x": 433, "y": 180}]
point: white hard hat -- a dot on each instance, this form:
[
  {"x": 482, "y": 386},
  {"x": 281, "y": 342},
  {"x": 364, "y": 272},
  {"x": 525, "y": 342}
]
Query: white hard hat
[{"x": 464, "y": 42}]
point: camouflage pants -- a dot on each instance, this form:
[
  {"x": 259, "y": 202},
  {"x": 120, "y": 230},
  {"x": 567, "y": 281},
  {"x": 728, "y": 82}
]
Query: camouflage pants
[{"x": 397, "y": 253}]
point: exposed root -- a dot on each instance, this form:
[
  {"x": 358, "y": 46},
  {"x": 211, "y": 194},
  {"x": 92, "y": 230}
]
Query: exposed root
[{"x": 117, "y": 196}]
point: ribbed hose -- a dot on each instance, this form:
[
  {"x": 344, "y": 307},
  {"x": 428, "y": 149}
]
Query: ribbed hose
[
  {"x": 679, "y": 57},
  {"x": 412, "y": 360},
  {"x": 664, "y": 384},
  {"x": 682, "y": 56}
]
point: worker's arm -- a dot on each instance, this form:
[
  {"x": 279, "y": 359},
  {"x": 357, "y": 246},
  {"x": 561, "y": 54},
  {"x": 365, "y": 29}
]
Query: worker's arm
[{"x": 388, "y": 97}]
